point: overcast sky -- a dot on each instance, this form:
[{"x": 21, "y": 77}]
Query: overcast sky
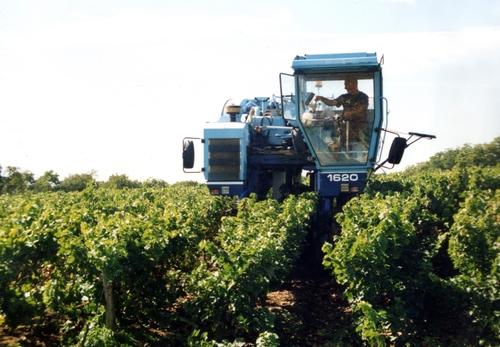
[{"x": 114, "y": 86}]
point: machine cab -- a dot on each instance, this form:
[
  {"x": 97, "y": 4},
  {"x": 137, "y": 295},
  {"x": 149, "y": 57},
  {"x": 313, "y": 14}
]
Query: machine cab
[{"x": 338, "y": 106}]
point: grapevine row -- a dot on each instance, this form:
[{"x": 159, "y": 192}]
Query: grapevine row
[
  {"x": 419, "y": 257},
  {"x": 175, "y": 259}
]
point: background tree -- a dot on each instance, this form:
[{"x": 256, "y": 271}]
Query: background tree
[
  {"x": 77, "y": 182},
  {"x": 154, "y": 182},
  {"x": 121, "y": 181},
  {"x": 49, "y": 181},
  {"x": 17, "y": 181},
  {"x": 480, "y": 155},
  {"x": 1, "y": 180}
]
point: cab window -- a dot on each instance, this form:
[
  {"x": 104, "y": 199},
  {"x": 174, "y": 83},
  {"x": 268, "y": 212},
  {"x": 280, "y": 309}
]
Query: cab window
[{"x": 336, "y": 112}]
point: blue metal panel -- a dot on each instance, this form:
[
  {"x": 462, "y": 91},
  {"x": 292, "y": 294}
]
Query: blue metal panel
[
  {"x": 234, "y": 130},
  {"x": 330, "y": 184},
  {"x": 342, "y": 61}
]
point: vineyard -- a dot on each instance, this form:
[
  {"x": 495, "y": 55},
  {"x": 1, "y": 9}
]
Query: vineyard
[{"x": 416, "y": 262}]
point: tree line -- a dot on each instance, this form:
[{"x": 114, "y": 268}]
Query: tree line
[
  {"x": 15, "y": 181},
  {"x": 480, "y": 155}
]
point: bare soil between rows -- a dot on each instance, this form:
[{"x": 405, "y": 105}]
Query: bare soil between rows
[{"x": 310, "y": 309}]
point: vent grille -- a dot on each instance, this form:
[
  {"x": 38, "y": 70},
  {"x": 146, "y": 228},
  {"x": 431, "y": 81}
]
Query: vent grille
[{"x": 223, "y": 159}]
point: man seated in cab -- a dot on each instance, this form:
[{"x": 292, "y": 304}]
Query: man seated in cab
[{"x": 355, "y": 104}]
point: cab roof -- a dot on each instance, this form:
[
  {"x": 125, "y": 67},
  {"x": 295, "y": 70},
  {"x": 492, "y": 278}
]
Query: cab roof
[{"x": 336, "y": 62}]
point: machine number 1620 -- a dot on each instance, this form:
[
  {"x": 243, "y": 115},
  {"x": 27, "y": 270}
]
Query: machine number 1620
[{"x": 343, "y": 177}]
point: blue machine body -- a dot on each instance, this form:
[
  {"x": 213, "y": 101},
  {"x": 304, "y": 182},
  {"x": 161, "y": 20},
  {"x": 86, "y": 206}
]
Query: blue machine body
[
  {"x": 268, "y": 144},
  {"x": 225, "y": 157}
]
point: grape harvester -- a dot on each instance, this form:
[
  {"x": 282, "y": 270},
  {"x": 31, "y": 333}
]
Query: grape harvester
[{"x": 275, "y": 144}]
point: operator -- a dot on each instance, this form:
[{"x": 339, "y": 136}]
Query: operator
[{"x": 355, "y": 104}]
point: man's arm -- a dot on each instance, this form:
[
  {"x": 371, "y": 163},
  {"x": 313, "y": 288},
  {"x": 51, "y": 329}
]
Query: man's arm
[{"x": 329, "y": 102}]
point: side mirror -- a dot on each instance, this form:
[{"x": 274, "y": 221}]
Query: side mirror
[
  {"x": 398, "y": 146},
  {"x": 188, "y": 154},
  {"x": 397, "y": 150}
]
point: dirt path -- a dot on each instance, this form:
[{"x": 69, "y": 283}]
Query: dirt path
[
  {"x": 310, "y": 309},
  {"x": 39, "y": 336}
]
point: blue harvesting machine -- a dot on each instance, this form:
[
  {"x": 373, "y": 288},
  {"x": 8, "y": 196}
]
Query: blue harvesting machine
[{"x": 324, "y": 133}]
